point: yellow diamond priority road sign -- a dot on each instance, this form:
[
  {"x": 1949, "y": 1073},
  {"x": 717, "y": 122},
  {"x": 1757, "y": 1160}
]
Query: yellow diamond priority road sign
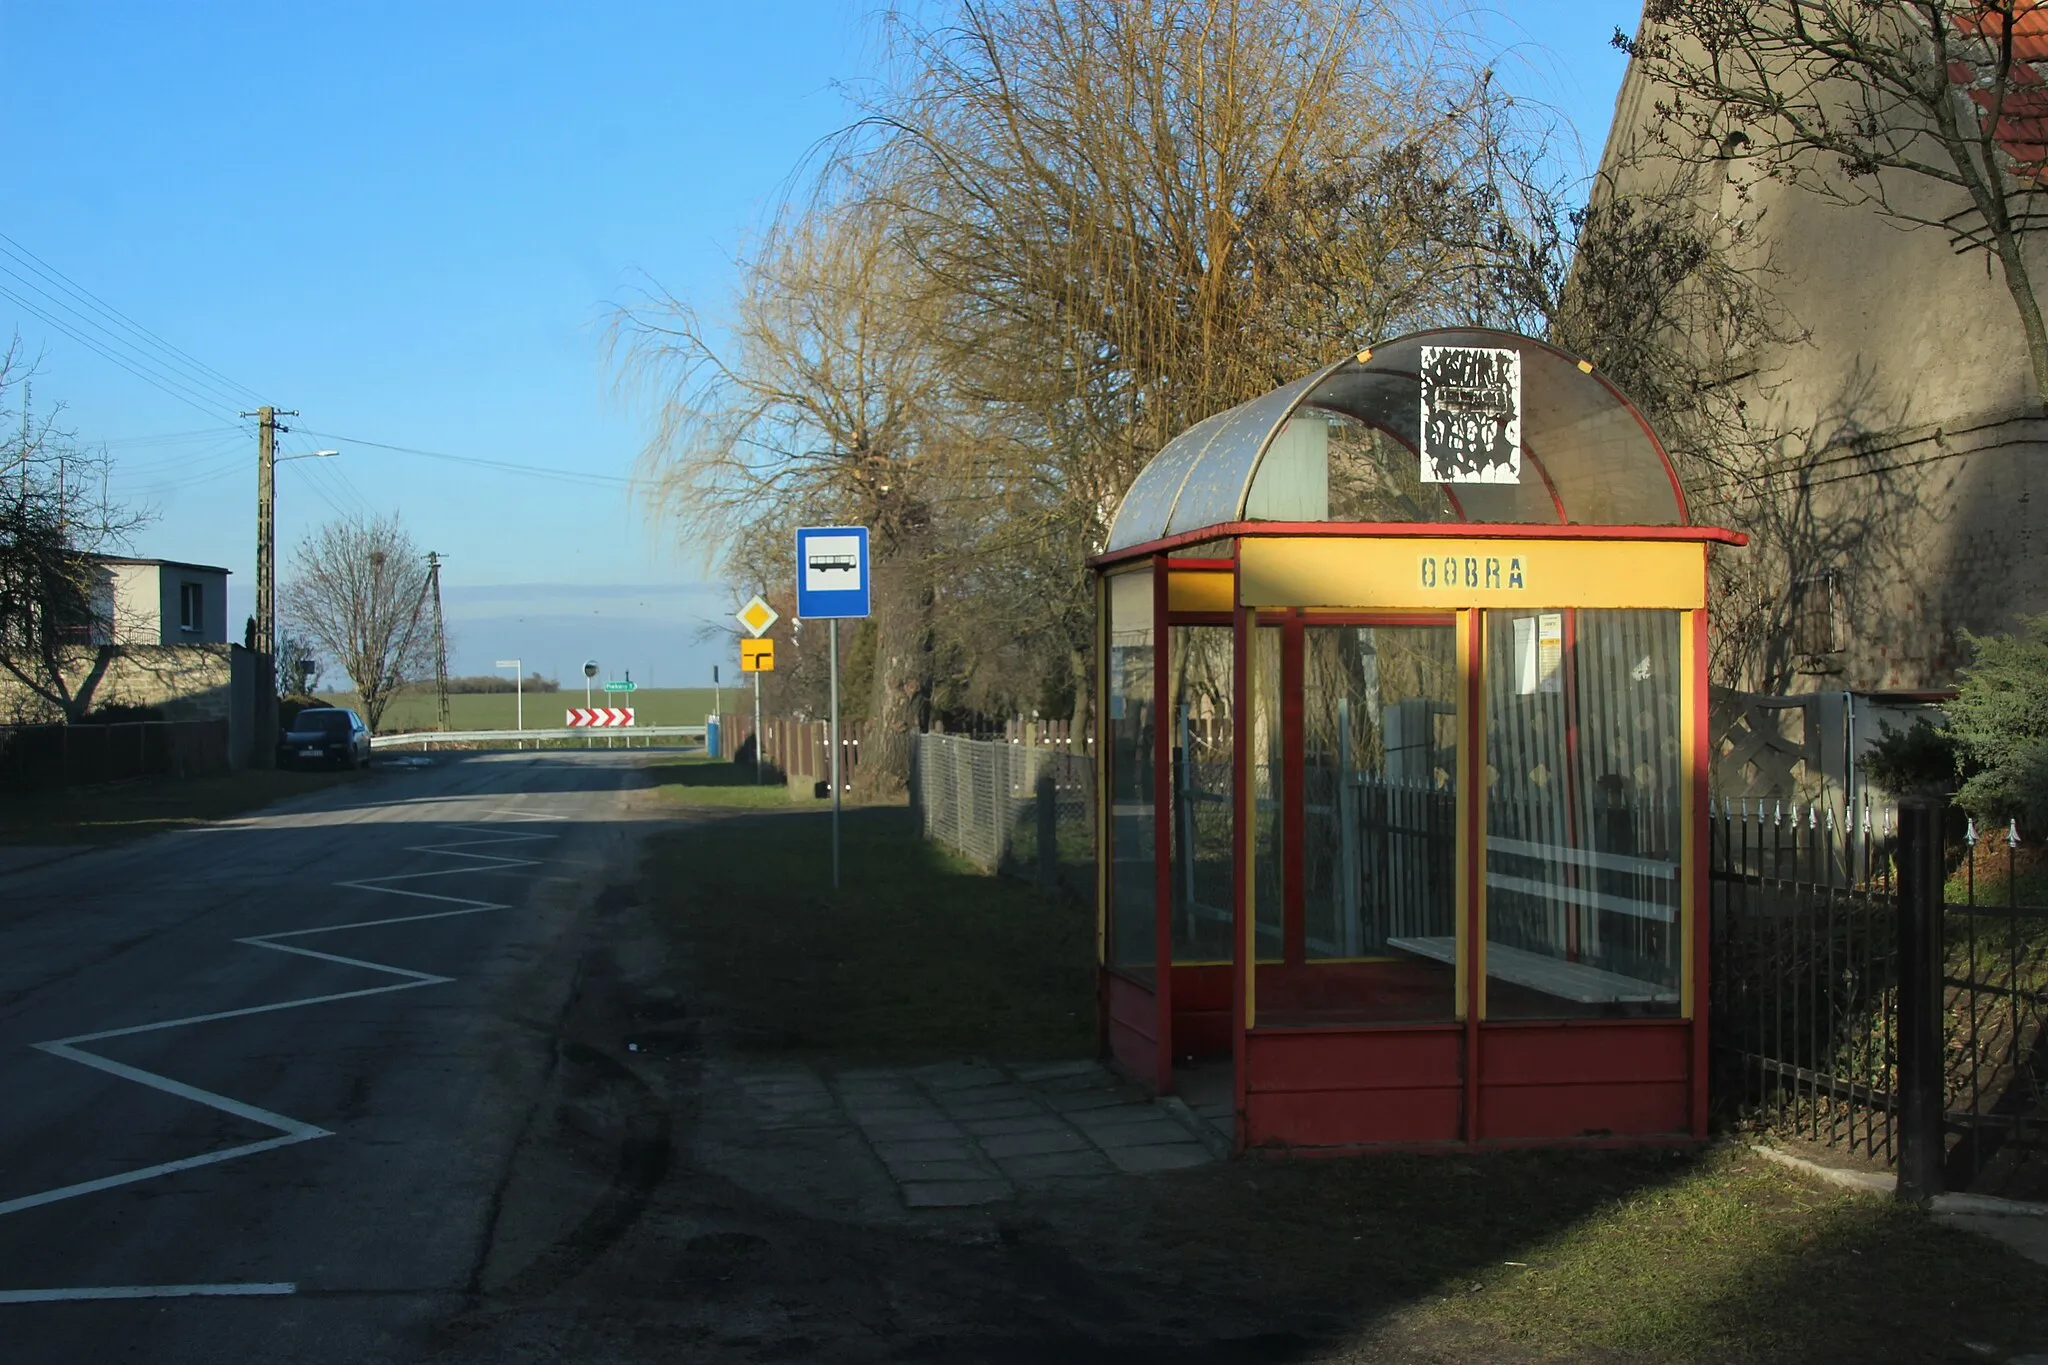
[{"x": 757, "y": 616}]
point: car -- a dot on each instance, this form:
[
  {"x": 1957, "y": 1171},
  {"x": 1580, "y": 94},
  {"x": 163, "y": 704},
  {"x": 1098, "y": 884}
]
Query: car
[{"x": 329, "y": 735}]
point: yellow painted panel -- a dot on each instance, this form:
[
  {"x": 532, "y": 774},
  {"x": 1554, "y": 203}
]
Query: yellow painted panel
[
  {"x": 1208, "y": 591},
  {"x": 1445, "y": 573}
]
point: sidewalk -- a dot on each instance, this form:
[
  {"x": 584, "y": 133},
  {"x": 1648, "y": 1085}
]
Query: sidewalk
[{"x": 945, "y": 1136}]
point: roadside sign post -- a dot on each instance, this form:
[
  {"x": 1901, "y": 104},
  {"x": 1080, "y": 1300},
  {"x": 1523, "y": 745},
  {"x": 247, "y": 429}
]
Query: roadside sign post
[
  {"x": 757, "y": 616},
  {"x": 832, "y": 585},
  {"x": 589, "y": 672},
  {"x": 518, "y": 691}
]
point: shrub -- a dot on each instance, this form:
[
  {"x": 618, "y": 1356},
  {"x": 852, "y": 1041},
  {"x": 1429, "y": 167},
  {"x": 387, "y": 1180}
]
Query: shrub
[
  {"x": 1921, "y": 761},
  {"x": 2000, "y": 718}
]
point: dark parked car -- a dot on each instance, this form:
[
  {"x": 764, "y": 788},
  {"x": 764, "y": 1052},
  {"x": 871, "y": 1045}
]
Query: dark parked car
[{"x": 328, "y": 735}]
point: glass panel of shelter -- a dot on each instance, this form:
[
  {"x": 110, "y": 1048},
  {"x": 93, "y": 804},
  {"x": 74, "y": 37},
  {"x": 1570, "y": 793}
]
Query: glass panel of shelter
[
  {"x": 1130, "y": 721},
  {"x": 1582, "y": 825},
  {"x": 1359, "y": 925},
  {"x": 1584, "y": 810},
  {"x": 1202, "y": 709}
]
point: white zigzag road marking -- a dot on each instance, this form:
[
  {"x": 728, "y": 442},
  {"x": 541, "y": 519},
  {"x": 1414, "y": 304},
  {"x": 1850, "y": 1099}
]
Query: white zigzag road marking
[{"x": 290, "y": 1130}]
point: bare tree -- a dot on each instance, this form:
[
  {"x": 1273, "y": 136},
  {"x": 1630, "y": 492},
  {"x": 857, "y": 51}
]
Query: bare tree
[
  {"x": 827, "y": 406},
  {"x": 299, "y": 665},
  {"x": 357, "y": 589},
  {"x": 1928, "y": 112},
  {"x": 56, "y": 615},
  {"x": 1064, "y": 231}
]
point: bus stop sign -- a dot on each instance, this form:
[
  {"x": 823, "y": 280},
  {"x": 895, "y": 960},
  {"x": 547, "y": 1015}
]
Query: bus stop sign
[{"x": 831, "y": 572}]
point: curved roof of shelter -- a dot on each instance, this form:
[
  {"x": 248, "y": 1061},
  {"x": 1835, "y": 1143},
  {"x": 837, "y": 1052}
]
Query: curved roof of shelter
[{"x": 1587, "y": 456}]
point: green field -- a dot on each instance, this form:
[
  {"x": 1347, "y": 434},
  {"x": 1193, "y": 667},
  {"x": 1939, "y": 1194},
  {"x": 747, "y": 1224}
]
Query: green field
[{"x": 544, "y": 710}]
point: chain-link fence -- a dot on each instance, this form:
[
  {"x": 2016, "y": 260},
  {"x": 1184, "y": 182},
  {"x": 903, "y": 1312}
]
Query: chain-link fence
[{"x": 1027, "y": 812}]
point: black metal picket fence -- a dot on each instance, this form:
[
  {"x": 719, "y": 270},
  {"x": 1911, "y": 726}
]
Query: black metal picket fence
[{"x": 1820, "y": 1030}]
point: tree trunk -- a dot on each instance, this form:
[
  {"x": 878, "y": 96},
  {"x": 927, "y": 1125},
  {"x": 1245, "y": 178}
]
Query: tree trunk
[
  {"x": 900, "y": 700},
  {"x": 2019, "y": 283}
]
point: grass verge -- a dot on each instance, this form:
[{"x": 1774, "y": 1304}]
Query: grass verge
[
  {"x": 918, "y": 956},
  {"x": 1647, "y": 1256},
  {"x": 118, "y": 811},
  {"x": 693, "y": 780}
]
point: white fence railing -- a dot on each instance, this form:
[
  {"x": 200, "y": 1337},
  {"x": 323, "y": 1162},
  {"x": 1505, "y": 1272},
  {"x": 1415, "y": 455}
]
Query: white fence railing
[{"x": 429, "y": 738}]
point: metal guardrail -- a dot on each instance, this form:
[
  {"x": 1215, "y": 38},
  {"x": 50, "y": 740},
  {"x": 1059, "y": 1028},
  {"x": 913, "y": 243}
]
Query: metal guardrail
[{"x": 628, "y": 732}]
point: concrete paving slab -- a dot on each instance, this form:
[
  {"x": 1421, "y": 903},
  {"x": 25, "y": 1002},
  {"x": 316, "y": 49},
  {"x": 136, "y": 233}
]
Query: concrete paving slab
[
  {"x": 875, "y": 1115},
  {"x": 1165, "y": 1156},
  {"x": 1054, "y": 1071},
  {"x": 922, "y": 1131},
  {"x": 953, "y": 1194},
  {"x": 1040, "y": 1166},
  {"x": 930, "y": 1150},
  {"x": 906, "y": 1172},
  {"x": 959, "y": 1075},
  {"x": 1144, "y": 1133},
  {"x": 1092, "y": 1099},
  {"x": 996, "y": 1109},
  {"x": 1035, "y": 1144},
  {"x": 1027, "y": 1123}
]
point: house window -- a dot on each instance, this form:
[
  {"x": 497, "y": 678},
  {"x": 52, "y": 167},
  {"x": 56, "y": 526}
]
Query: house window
[
  {"x": 1818, "y": 619},
  {"x": 191, "y": 607}
]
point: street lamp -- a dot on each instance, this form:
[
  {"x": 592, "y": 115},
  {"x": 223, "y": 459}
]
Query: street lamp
[
  {"x": 309, "y": 455},
  {"x": 518, "y": 690}
]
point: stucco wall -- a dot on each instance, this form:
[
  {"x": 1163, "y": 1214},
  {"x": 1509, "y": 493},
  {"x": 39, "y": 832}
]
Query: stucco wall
[
  {"x": 1908, "y": 402},
  {"x": 185, "y": 682}
]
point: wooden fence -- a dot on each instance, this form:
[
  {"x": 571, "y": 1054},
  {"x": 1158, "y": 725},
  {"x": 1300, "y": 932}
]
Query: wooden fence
[{"x": 47, "y": 757}]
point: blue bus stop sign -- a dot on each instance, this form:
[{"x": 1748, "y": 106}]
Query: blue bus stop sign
[{"x": 831, "y": 572}]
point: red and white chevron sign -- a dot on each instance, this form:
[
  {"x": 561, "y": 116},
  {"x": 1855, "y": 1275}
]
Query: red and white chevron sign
[{"x": 599, "y": 716}]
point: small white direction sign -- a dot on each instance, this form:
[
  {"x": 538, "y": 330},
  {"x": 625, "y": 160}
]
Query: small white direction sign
[{"x": 757, "y": 616}]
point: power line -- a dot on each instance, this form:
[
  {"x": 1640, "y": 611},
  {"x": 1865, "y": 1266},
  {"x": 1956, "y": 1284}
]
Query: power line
[
  {"x": 188, "y": 397},
  {"x": 504, "y": 466},
  {"x": 23, "y": 256},
  {"x": 192, "y": 380}
]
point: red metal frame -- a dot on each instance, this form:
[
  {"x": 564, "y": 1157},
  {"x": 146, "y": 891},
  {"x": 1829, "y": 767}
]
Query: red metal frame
[
  {"x": 1702, "y": 913},
  {"x": 1472, "y": 760},
  {"x": 1162, "y": 831},
  {"x": 1243, "y": 823},
  {"x": 1411, "y": 530}
]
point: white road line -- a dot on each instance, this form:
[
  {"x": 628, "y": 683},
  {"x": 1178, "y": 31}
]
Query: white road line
[
  {"x": 290, "y": 1130},
  {"x": 145, "y": 1291}
]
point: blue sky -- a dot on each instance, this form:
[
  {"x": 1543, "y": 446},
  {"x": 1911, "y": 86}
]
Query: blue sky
[{"x": 409, "y": 222}]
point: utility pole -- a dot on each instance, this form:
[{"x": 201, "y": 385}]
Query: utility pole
[
  {"x": 266, "y": 526},
  {"x": 440, "y": 635}
]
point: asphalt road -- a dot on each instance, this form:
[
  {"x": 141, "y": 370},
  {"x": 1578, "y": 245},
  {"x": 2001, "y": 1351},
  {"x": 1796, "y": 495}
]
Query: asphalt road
[
  {"x": 306, "y": 1047},
  {"x": 404, "y": 1071}
]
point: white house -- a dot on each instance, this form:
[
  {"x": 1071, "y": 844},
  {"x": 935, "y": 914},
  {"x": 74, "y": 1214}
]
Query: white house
[{"x": 160, "y": 602}]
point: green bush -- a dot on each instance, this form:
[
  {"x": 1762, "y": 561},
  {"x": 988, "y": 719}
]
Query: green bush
[
  {"x": 2000, "y": 719},
  {"x": 1921, "y": 761}
]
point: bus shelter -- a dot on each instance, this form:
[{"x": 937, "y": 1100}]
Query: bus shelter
[{"x": 1403, "y": 692}]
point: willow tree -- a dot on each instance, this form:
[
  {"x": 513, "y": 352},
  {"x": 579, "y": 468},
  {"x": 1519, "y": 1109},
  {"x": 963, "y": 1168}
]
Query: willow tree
[
  {"x": 1062, "y": 232},
  {"x": 1129, "y": 216},
  {"x": 820, "y": 402}
]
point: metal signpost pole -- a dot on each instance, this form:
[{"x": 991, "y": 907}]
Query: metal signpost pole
[
  {"x": 835, "y": 755},
  {"x": 757, "y": 727},
  {"x": 832, "y": 585}
]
